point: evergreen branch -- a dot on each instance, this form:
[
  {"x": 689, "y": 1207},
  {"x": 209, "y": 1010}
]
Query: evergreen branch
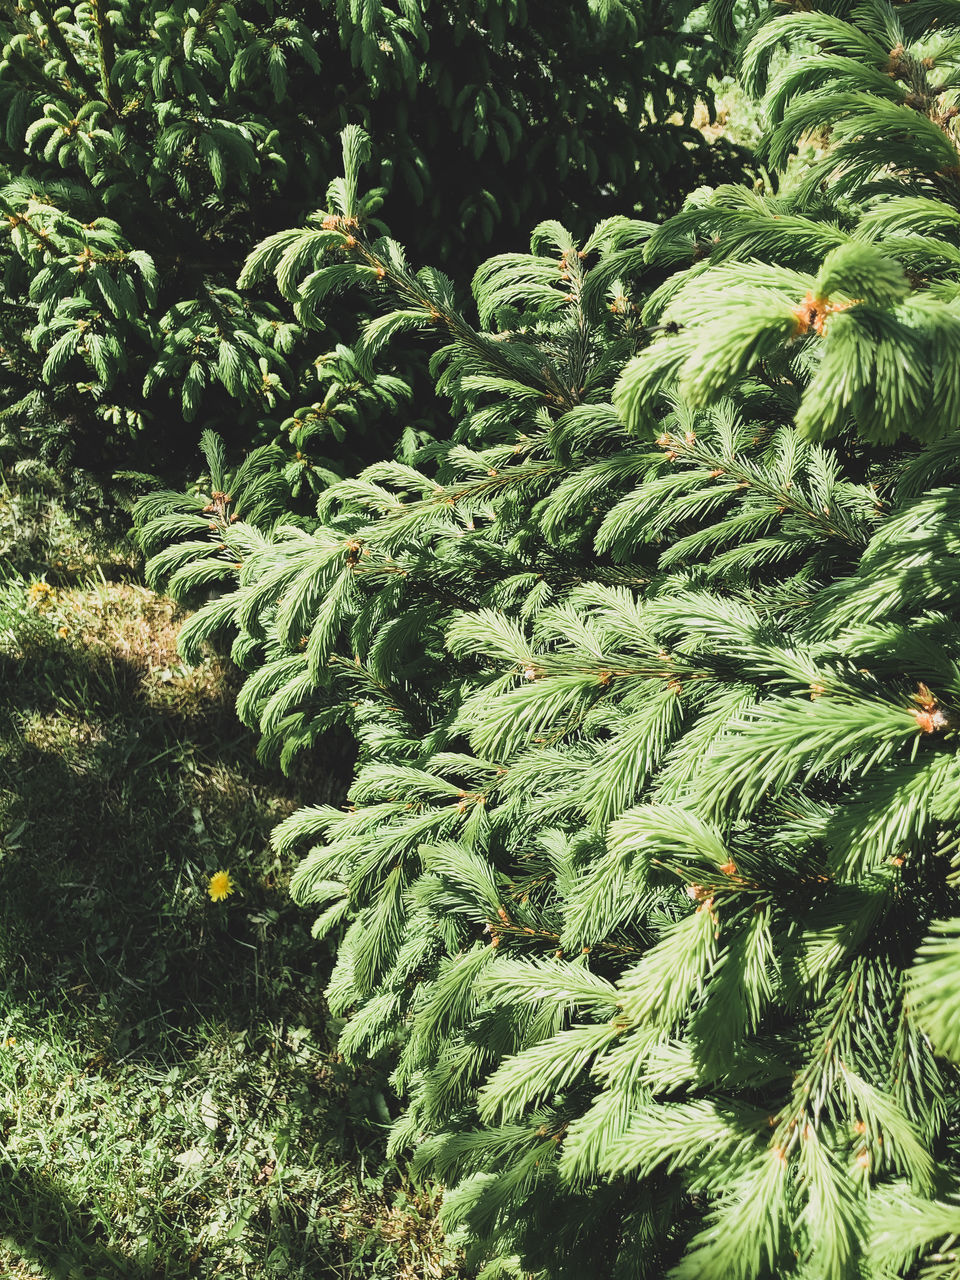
[
  {"x": 105, "y": 51},
  {"x": 60, "y": 42}
]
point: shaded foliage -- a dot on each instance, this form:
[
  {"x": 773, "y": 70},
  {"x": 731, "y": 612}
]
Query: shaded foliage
[{"x": 148, "y": 147}]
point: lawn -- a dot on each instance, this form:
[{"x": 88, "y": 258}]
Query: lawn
[{"x": 173, "y": 1101}]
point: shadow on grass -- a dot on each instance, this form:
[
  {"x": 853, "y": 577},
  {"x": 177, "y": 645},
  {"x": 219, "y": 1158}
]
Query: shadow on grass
[
  {"x": 118, "y": 798},
  {"x": 39, "y": 1218},
  {"x": 190, "y": 1035}
]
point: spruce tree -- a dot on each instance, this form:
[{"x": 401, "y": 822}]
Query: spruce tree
[
  {"x": 647, "y": 885},
  {"x": 147, "y": 147}
]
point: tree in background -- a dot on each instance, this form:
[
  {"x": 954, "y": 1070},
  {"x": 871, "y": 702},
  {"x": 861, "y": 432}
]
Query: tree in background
[{"x": 148, "y": 147}]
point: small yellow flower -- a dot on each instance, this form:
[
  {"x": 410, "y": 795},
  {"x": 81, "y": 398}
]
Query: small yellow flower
[
  {"x": 63, "y": 632},
  {"x": 220, "y": 886},
  {"x": 41, "y": 594}
]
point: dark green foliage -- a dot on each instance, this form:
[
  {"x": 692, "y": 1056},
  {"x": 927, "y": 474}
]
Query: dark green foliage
[
  {"x": 648, "y": 880},
  {"x": 147, "y": 148}
]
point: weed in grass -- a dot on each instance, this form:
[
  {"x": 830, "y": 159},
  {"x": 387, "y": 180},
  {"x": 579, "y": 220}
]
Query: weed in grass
[{"x": 174, "y": 1105}]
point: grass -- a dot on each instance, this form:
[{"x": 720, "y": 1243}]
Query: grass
[{"x": 173, "y": 1102}]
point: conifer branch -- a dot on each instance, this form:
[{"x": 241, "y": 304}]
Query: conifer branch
[
  {"x": 58, "y": 39},
  {"x": 105, "y": 51}
]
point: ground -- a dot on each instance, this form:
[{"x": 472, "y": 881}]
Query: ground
[{"x": 173, "y": 1104}]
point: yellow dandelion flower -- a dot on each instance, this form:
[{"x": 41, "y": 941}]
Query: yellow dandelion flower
[
  {"x": 41, "y": 594},
  {"x": 63, "y": 632},
  {"x": 220, "y": 886}
]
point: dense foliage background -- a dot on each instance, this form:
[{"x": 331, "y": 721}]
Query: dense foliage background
[{"x": 147, "y": 148}]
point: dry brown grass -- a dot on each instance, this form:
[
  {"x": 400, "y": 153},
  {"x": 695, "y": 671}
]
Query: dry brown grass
[{"x": 133, "y": 625}]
